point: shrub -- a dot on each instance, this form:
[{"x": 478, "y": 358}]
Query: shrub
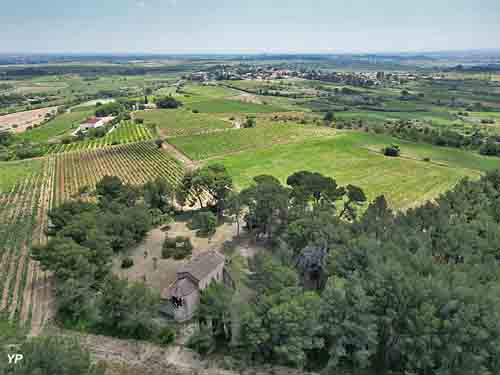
[
  {"x": 167, "y": 102},
  {"x": 67, "y": 140},
  {"x": 205, "y": 222},
  {"x": 427, "y": 159},
  {"x": 177, "y": 248},
  {"x": 250, "y": 122},
  {"x": 329, "y": 116},
  {"x": 4, "y": 153},
  {"x": 127, "y": 262},
  {"x": 487, "y": 121},
  {"x": 490, "y": 148},
  {"x": 165, "y": 337},
  {"x": 393, "y": 151},
  {"x": 159, "y": 142},
  {"x": 109, "y": 109},
  {"x": 202, "y": 342}
]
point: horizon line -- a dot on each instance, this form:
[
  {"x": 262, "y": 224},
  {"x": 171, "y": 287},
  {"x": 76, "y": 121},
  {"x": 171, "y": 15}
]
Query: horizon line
[{"x": 251, "y": 53}]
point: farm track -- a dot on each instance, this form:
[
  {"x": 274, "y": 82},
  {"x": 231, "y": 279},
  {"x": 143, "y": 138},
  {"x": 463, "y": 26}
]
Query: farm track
[{"x": 179, "y": 155}]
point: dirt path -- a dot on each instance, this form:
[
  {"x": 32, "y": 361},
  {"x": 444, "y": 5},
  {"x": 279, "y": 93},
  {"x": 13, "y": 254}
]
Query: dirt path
[
  {"x": 137, "y": 357},
  {"x": 179, "y": 155},
  {"x": 128, "y": 357}
]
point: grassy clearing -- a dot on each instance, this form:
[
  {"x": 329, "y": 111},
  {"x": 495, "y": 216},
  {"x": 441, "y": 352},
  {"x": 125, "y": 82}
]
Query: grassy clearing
[
  {"x": 266, "y": 134},
  {"x": 56, "y": 127},
  {"x": 197, "y": 93},
  {"x": 14, "y": 172},
  {"x": 347, "y": 157},
  {"x": 232, "y": 106},
  {"x": 450, "y": 157},
  {"x": 175, "y": 122}
]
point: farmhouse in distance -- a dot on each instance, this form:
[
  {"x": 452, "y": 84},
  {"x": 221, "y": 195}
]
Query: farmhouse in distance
[{"x": 94, "y": 123}]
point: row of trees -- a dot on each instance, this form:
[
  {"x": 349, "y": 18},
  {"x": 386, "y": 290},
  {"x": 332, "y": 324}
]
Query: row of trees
[
  {"x": 486, "y": 145},
  {"x": 383, "y": 292}
]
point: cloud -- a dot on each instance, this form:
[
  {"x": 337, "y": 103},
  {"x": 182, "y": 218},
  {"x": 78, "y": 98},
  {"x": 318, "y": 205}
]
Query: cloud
[{"x": 140, "y": 3}]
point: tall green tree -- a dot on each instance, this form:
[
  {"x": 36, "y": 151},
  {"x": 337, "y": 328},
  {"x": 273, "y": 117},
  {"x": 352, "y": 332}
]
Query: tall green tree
[{"x": 267, "y": 201}]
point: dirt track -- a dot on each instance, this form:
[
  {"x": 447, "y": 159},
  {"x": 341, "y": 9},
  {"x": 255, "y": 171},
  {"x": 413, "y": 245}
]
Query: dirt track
[
  {"x": 183, "y": 158},
  {"x": 127, "y": 357}
]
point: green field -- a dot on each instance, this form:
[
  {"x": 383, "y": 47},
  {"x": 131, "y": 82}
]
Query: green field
[
  {"x": 232, "y": 106},
  {"x": 14, "y": 172},
  {"x": 198, "y": 93},
  {"x": 61, "y": 125},
  {"x": 204, "y": 146},
  {"x": 175, "y": 122},
  {"x": 352, "y": 158}
]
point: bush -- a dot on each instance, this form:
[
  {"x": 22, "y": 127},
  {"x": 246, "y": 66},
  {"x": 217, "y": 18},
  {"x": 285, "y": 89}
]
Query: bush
[
  {"x": 159, "y": 142},
  {"x": 487, "y": 121},
  {"x": 165, "y": 337},
  {"x": 109, "y": 109},
  {"x": 127, "y": 262},
  {"x": 250, "y": 122},
  {"x": 4, "y": 153},
  {"x": 28, "y": 150},
  {"x": 490, "y": 148},
  {"x": 393, "y": 151},
  {"x": 427, "y": 159},
  {"x": 67, "y": 140},
  {"x": 202, "y": 342},
  {"x": 177, "y": 248},
  {"x": 205, "y": 222},
  {"x": 167, "y": 102},
  {"x": 329, "y": 116}
]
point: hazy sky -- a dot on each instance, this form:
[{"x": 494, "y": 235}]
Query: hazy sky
[{"x": 192, "y": 26}]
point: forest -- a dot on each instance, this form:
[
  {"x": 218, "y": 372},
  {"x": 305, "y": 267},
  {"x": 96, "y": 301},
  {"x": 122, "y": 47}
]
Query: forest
[{"x": 341, "y": 288}]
